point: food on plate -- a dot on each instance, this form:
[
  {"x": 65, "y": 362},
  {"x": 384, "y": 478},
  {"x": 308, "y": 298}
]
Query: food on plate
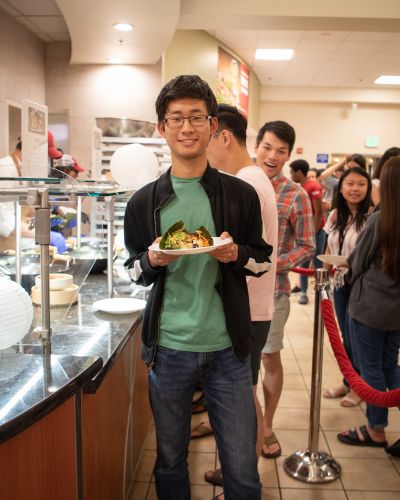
[{"x": 177, "y": 237}]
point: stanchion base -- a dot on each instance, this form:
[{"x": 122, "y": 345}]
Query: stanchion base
[{"x": 312, "y": 467}]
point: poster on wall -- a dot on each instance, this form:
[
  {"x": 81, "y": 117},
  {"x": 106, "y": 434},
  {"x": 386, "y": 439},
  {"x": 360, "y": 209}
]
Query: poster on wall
[
  {"x": 232, "y": 81},
  {"x": 34, "y": 139},
  {"x": 96, "y": 152}
]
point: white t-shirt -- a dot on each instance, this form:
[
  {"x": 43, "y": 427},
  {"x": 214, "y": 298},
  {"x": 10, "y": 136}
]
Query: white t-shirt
[
  {"x": 7, "y": 212},
  {"x": 261, "y": 290}
]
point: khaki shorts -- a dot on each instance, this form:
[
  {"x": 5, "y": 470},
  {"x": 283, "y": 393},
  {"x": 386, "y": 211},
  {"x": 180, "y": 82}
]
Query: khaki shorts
[{"x": 275, "y": 336}]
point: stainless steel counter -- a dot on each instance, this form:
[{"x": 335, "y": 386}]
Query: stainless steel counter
[{"x": 85, "y": 344}]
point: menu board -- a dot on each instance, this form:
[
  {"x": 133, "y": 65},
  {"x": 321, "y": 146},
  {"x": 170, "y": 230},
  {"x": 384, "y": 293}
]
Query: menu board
[
  {"x": 34, "y": 139},
  {"x": 232, "y": 81}
]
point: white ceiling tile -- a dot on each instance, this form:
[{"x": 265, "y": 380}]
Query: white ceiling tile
[
  {"x": 315, "y": 55},
  {"x": 245, "y": 44},
  {"x": 391, "y": 48},
  {"x": 350, "y": 56},
  {"x": 368, "y": 36},
  {"x": 319, "y": 45},
  {"x": 284, "y": 43},
  {"x": 340, "y": 65},
  {"x": 281, "y": 34},
  {"x": 60, "y": 37},
  {"x": 325, "y": 35},
  {"x": 359, "y": 46},
  {"x": 238, "y": 34},
  {"x": 26, "y": 21}
]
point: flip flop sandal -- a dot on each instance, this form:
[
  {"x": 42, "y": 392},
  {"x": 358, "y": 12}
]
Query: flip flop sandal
[
  {"x": 268, "y": 441},
  {"x": 218, "y": 497},
  {"x": 352, "y": 438},
  {"x": 348, "y": 402},
  {"x": 202, "y": 430},
  {"x": 394, "y": 449},
  {"x": 214, "y": 477}
]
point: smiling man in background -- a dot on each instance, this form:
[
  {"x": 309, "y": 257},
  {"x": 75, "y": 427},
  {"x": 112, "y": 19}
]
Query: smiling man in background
[{"x": 296, "y": 244}]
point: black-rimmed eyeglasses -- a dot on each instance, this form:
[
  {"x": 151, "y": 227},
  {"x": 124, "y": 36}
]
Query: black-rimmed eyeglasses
[{"x": 194, "y": 120}]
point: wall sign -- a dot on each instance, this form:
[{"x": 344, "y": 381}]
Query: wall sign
[
  {"x": 232, "y": 81},
  {"x": 322, "y": 157}
]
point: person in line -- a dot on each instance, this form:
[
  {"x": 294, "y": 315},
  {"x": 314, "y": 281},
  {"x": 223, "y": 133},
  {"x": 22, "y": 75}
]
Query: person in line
[
  {"x": 227, "y": 151},
  {"x": 197, "y": 322},
  {"x": 343, "y": 227},
  {"x": 374, "y": 307},
  {"x": 298, "y": 172},
  {"x": 296, "y": 244},
  {"x": 394, "y": 151}
]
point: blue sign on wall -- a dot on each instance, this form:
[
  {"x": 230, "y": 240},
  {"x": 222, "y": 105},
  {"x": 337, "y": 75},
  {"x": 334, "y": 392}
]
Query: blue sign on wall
[{"x": 322, "y": 157}]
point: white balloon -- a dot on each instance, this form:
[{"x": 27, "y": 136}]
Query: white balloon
[
  {"x": 16, "y": 313},
  {"x": 134, "y": 165}
]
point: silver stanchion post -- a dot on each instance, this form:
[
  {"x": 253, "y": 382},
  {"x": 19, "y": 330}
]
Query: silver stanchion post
[{"x": 312, "y": 465}]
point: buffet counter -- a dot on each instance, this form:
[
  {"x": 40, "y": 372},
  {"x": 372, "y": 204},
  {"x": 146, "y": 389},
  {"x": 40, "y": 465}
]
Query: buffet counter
[{"x": 72, "y": 424}]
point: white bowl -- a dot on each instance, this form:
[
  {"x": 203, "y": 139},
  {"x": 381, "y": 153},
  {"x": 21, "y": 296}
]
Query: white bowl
[
  {"x": 57, "y": 281},
  {"x": 57, "y": 297}
]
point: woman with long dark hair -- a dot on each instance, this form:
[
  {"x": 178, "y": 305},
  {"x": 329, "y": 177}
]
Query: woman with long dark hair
[
  {"x": 374, "y": 307},
  {"x": 343, "y": 227}
]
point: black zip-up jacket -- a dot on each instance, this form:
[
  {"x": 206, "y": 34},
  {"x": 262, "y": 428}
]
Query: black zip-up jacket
[{"x": 235, "y": 208}]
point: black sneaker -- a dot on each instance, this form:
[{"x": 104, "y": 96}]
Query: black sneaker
[{"x": 295, "y": 289}]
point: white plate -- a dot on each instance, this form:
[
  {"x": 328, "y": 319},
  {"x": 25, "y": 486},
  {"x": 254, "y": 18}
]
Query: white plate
[
  {"x": 119, "y": 305},
  {"x": 217, "y": 242},
  {"x": 334, "y": 260}
]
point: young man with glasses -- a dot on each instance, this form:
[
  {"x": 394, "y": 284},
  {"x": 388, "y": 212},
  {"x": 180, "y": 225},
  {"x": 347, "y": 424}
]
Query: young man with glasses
[{"x": 197, "y": 321}]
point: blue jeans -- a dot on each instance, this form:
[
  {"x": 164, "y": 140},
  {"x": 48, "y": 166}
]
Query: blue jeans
[
  {"x": 227, "y": 386},
  {"x": 341, "y": 302},
  {"x": 376, "y": 353},
  {"x": 320, "y": 238}
]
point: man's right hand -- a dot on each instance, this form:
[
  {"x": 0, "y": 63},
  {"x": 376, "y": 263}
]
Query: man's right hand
[{"x": 158, "y": 258}]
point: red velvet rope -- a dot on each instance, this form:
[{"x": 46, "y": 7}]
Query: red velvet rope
[
  {"x": 303, "y": 270},
  {"x": 367, "y": 393}
]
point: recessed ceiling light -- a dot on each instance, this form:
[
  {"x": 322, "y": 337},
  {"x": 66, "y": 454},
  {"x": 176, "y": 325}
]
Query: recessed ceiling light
[
  {"x": 274, "y": 54},
  {"x": 114, "y": 60},
  {"x": 123, "y": 27},
  {"x": 388, "y": 80}
]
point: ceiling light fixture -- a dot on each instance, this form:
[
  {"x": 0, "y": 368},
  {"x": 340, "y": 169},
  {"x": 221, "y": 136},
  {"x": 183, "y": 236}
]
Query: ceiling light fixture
[
  {"x": 274, "y": 54},
  {"x": 123, "y": 26},
  {"x": 114, "y": 60},
  {"x": 388, "y": 80}
]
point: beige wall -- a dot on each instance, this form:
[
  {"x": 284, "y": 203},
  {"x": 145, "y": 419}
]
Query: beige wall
[
  {"x": 22, "y": 69},
  {"x": 90, "y": 91},
  {"x": 196, "y": 52},
  {"x": 335, "y": 127}
]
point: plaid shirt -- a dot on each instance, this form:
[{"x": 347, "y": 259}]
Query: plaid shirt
[{"x": 296, "y": 233}]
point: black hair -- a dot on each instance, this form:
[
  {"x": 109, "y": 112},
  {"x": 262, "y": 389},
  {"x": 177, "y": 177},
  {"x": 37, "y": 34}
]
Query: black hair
[
  {"x": 185, "y": 87},
  {"x": 301, "y": 165},
  {"x": 343, "y": 213},
  {"x": 282, "y": 130},
  {"x": 389, "y": 153},
  {"x": 230, "y": 118},
  {"x": 359, "y": 159},
  {"x": 18, "y": 146}
]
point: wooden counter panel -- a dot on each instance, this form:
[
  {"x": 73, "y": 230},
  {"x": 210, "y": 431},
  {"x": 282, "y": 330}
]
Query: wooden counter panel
[
  {"x": 40, "y": 462},
  {"x": 104, "y": 423}
]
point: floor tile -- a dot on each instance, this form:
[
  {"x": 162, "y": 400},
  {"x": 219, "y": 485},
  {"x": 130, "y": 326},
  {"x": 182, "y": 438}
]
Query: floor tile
[
  {"x": 369, "y": 474},
  {"x": 294, "y": 440},
  {"x": 297, "y": 398},
  {"x": 291, "y": 418},
  {"x": 199, "y": 463},
  {"x": 312, "y": 494},
  {"x": 341, "y": 419},
  {"x": 270, "y": 494},
  {"x": 267, "y": 471},
  {"x": 372, "y": 495},
  {"x": 146, "y": 466},
  {"x": 139, "y": 491}
]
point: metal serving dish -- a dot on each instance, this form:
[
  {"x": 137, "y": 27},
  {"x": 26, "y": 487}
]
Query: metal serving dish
[{"x": 125, "y": 127}]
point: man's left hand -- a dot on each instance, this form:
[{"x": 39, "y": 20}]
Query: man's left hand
[{"x": 226, "y": 253}]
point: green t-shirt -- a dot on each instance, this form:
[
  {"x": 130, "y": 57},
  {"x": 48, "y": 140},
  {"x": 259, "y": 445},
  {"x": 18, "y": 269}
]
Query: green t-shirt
[{"x": 192, "y": 318}]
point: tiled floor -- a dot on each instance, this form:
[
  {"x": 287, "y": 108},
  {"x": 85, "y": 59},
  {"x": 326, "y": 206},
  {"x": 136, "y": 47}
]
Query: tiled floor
[{"x": 367, "y": 473}]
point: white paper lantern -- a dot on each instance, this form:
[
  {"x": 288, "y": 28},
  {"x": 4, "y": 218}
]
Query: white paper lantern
[
  {"x": 134, "y": 166},
  {"x": 16, "y": 313}
]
